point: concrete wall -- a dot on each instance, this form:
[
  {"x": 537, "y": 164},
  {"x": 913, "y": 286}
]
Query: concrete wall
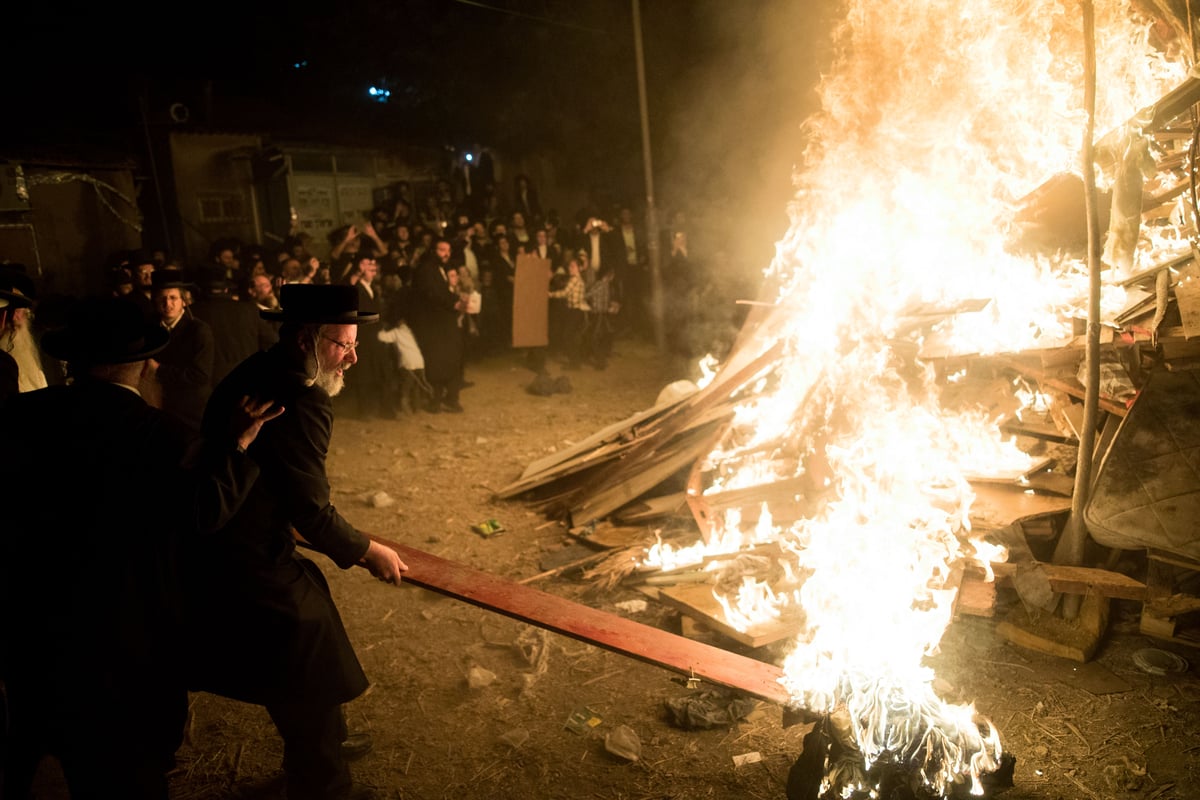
[
  {"x": 213, "y": 189},
  {"x": 79, "y": 217}
]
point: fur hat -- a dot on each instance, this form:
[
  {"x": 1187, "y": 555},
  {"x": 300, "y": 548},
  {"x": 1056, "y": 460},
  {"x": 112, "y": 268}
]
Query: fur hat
[
  {"x": 319, "y": 304},
  {"x": 105, "y": 330}
]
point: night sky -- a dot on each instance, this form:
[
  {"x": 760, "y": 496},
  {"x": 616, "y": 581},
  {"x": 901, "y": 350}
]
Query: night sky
[{"x": 728, "y": 82}]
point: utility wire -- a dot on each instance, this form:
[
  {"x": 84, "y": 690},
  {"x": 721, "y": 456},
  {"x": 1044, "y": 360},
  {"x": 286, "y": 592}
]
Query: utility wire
[{"x": 535, "y": 18}]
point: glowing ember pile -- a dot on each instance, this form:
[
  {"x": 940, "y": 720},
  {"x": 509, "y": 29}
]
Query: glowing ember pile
[{"x": 938, "y": 117}]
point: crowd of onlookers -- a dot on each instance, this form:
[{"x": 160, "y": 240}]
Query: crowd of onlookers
[
  {"x": 169, "y": 440},
  {"x": 595, "y": 287}
]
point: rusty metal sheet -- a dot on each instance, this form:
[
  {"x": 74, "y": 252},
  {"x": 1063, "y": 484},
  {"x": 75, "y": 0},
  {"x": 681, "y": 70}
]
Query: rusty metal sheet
[{"x": 600, "y": 628}]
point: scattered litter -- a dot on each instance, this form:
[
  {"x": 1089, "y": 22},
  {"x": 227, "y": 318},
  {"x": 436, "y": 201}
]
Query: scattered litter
[
  {"x": 583, "y": 720},
  {"x": 478, "y": 677},
  {"x": 708, "y": 710},
  {"x": 1159, "y": 662},
  {"x": 623, "y": 741},
  {"x": 381, "y": 500},
  {"x": 515, "y": 738},
  {"x": 487, "y": 528},
  {"x": 747, "y": 758},
  {"x": 632, "y": 606}
]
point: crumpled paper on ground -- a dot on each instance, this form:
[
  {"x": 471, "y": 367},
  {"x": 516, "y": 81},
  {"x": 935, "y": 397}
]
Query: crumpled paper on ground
[{"x": 708, "y": 710}]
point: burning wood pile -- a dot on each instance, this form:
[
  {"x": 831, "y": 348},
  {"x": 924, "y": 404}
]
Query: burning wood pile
[{"x": 903, "y": 408}]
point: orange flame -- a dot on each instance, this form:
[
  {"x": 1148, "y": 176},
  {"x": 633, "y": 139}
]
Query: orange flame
[{"x": 937, "y": 118}]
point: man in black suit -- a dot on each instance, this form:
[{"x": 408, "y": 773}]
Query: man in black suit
[
  {"x": 185, "y": 366},
  {"x": 434, "y": 322},
  {"x": 268, "y": 631},
  {"x": 366, "y": 394},
  {"x": 237, "y": 330},
  {"x": 97, "y": 506}
]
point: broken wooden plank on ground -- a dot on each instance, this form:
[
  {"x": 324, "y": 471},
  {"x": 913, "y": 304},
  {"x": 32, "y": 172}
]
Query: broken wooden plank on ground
[
  {"x": 1037, "y": 429},
  {"x": 651, "y": 508},
  {"x": 593, "y": 626},
  {"x": 608, "y": 441},
  {"x": 615, "y": 491},
  {"x": 1065, "y": 384},
  {"x": 1017, "y": 477},
  {"x": 1068, "y": 579},
  {"x": 696, "y": 600},
  {"x": 608, "y": 536},
  {"x": 782, "y": 497},
  {"x": 1001, "y": 505}
]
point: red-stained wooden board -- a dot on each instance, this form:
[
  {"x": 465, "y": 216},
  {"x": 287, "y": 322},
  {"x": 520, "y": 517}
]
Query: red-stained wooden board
[{"x": 600, "y": 628}]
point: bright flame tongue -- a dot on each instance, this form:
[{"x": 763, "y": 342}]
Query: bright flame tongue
[{"x": 940, "y": 116}]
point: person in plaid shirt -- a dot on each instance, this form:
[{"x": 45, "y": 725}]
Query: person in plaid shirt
[{"x": 575, "y": 321}]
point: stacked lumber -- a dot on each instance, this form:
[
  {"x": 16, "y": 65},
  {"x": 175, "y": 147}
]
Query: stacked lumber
[{"x": 655, "y": 464}]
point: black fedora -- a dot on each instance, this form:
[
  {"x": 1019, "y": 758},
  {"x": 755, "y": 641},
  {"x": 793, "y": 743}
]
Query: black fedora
[
  {"x": 319, "y": 304},
  {"x": 105, "y": 330}
]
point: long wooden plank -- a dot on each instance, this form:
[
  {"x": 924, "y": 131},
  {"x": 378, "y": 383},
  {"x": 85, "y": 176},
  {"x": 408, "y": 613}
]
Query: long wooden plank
[{"x": 600, "y": 628}]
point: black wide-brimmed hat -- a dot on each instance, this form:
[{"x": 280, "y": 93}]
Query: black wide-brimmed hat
[
  {"x": 14, "y": 300},
  {"x": 170, "y": 278},
  {"x": 14, "y": 277},
  {"x": 319, "y": 304},
  {"x": 105, "y": 330},
  {"x": 213, "y": 281}
]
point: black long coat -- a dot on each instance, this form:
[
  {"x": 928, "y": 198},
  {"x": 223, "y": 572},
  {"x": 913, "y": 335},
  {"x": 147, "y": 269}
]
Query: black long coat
[
  {"x": 267, "y": 628},
  {"x": 98, "y": 497},
  {"x": 434, "y": 323},
  {"x": 185, "y": 369},
  {"x": 238, "y": 332}
]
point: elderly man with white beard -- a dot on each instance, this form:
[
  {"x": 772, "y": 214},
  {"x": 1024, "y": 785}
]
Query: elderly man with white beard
[{"x": 268, "y": 631}]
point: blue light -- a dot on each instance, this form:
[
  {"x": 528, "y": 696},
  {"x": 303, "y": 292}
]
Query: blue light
[
  {"x": 470, "y": 157},
  {"x": 378, "y": 94},
  {"x": 300, "y": 64}
]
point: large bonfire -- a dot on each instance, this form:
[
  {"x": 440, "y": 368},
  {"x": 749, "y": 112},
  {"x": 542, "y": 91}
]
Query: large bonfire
[{"x": 938, "y": 117}]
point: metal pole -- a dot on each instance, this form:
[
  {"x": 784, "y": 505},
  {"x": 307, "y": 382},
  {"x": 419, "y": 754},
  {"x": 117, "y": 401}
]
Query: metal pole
[{"x": 652, "y": 248}]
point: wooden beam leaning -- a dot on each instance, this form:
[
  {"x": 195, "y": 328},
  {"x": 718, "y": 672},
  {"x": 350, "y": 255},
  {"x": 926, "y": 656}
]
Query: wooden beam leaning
[
  {"x": 1150, "y": 119},
  {"x": 609, "y": 631}
]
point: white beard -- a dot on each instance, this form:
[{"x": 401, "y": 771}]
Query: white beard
[
  {"x": 328, "y": 379},
  {"x": 331, "y": 382}
]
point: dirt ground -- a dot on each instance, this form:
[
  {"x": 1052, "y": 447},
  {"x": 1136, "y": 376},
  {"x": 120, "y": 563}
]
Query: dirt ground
[{"x": 1104, "y": 729}]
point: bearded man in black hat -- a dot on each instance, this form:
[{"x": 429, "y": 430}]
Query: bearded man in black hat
[
  {"x": 268, "y": 630},
  {"x": 96, "y": 506},
  {"x": 10, "y": 371}
]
